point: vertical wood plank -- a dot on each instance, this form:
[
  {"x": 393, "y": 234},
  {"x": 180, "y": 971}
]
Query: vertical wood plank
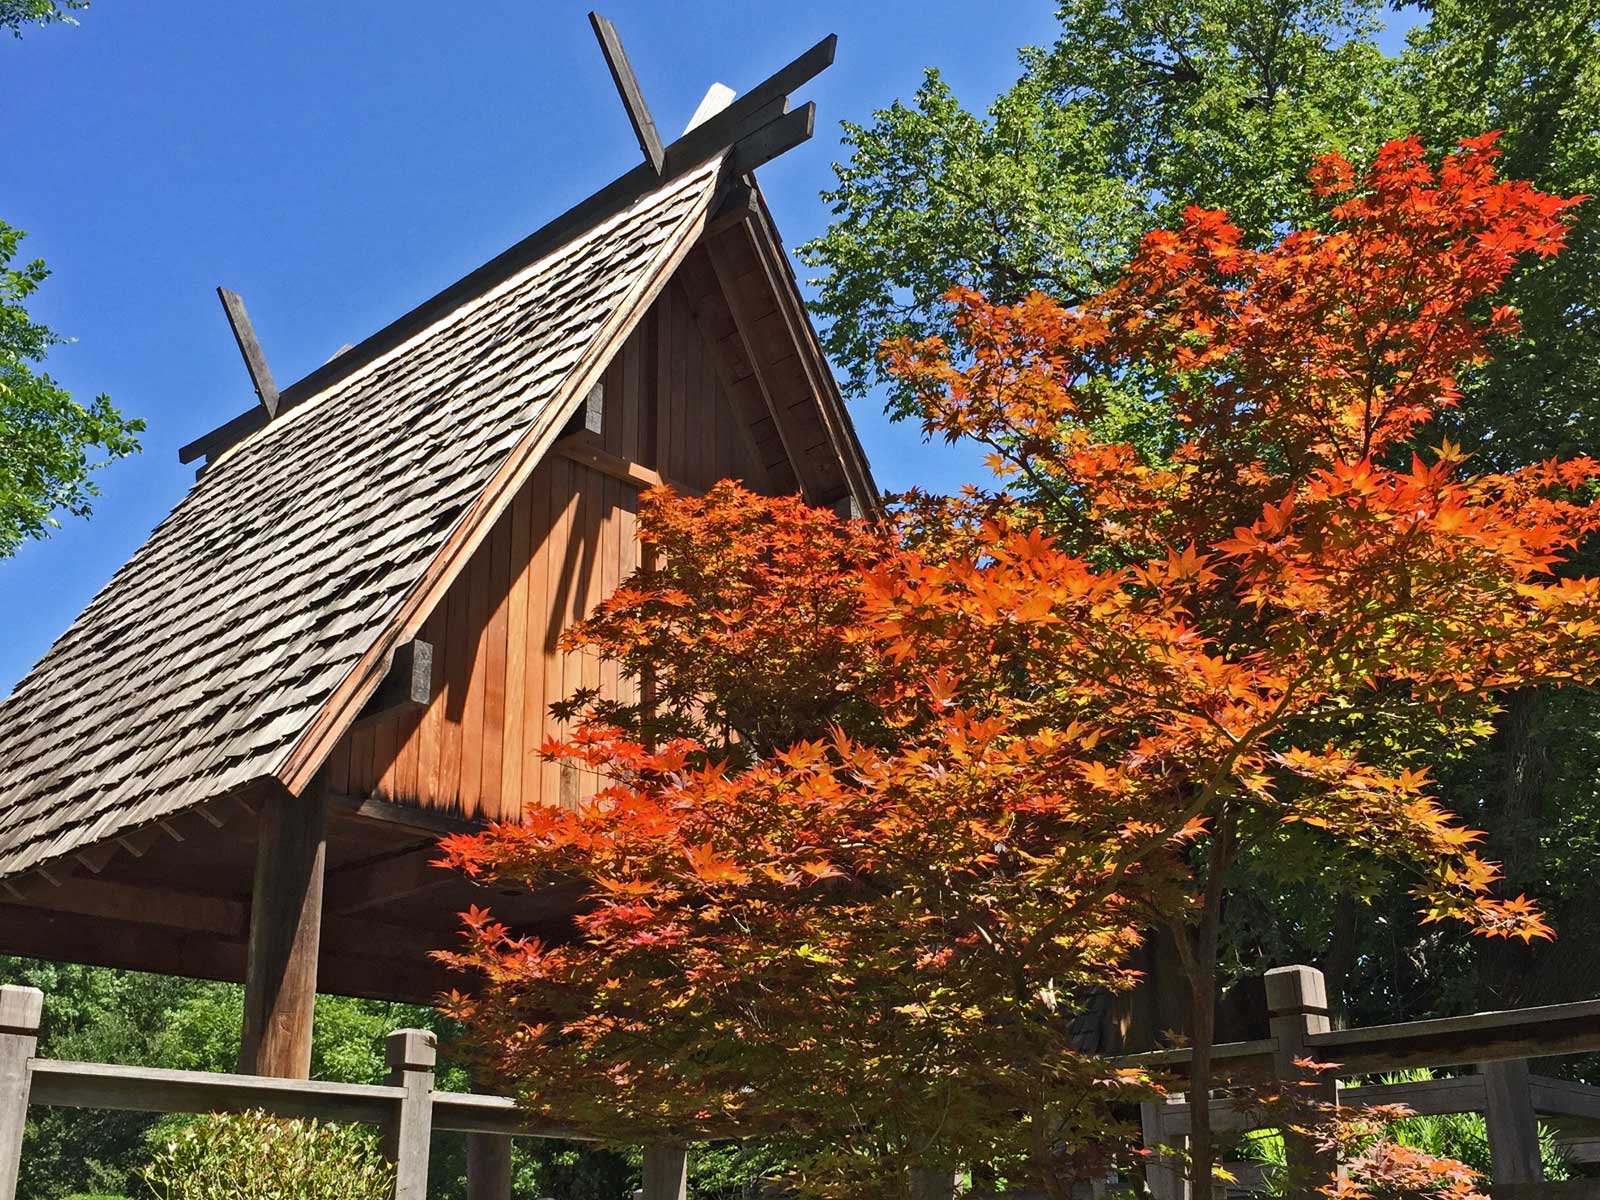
[
  {"x": 280, "y": 987},
  {"x": 430, "y": 732},
  {"x": 477, "y": 573},
  {"x": 1512, "y": 1127},
  {"x": 677, "y": 404},
  {"x": 632, "y": 357},
  {"x": 447, "y": 776},
  {"x": 493, "y": 664},
  {"x": 665, "y": 1175},
  {"x": 563, "y": 567},
  {"x": 488, "y": 1167},
  {"x": 540, "y": 600},
  {"x": 385, "y": 744},
  {"x": 516, "y": 652},
  {"x": 664, "y": 369},
  {"x": 361, "y": 778},
  {"x": 20, "y": 1010},
  {"x": 339, "y": 767}
]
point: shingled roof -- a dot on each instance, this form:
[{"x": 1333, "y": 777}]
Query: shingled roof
[{"x": 259, "y": 615}]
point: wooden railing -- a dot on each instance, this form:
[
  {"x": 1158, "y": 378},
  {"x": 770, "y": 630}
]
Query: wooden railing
[
  {"x": 1498, "y": 1043},
  {"x": 407, "y": 1108}
]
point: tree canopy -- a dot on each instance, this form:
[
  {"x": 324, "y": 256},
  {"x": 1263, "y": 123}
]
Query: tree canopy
[
  {"x": 50, "y": 444},
  {"x": 1037, "y": 719}
]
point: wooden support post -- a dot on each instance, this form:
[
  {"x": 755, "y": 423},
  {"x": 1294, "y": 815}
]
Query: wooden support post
[
  {"x": 666, "y": 1173},
  {"x": 488, "y": 1166},
  {"x": 20, "y": 1009},
  {"x": 1164, "y": 1178},
  {"x": 280, "y": 988},
  {"x": 1297, "y": 1006},
  {"x": 411, "y": 1054},
  {"x": 1512, "y": 1127}
]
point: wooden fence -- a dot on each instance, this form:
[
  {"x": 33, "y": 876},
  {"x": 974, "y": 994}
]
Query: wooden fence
[
  {"x": 409, "y": 1110},
  {"x": 1497, "y": 1043}
]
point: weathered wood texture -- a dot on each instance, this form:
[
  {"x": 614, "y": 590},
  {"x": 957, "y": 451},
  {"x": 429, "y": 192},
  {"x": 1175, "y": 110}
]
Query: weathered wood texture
[
  {"x": 567, "y": 540},
  {"x": 250, "y": 629},
  {"x": 664, "y": 1174},
  {"x": 488, "y": 1167},
  {"x": 280, "y": 985},
  {"x": 411, "y": 1055},
  {"x": 20, "y": 1009},
  {"x": 1510, "y": 1123},
  {"x": 1297, "y": 1009}
]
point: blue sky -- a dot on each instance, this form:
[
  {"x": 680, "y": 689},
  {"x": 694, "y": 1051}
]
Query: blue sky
[{"x": 336, "y": 164}]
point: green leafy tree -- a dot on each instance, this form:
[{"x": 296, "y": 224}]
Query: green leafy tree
[
  {"x": 49, "y": 443},
  {"x": 1225, "y": 102},
  {"x": 1139, "y": 107},
  {"x": 15, "y": 14}
]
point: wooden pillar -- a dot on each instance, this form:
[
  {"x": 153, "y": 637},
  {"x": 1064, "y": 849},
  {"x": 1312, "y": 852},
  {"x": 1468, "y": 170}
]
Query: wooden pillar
[
  {"x": 1297, "y": 1007},
  {"x": 1513, "y": 1129},
  {"x": 488, "y": 1167},
  {"x": 411, "y": 1054},
  {"x": 666, "y": 1173},
  {"x": 280, "y": 988},
  {"x": 20, "y": 1009}
]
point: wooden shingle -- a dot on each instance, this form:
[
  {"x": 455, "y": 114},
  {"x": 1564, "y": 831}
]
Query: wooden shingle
[{"x": 278, "y": 584}]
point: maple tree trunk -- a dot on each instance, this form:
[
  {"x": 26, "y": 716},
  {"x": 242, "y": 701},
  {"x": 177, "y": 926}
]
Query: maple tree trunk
[
  {"x": 1200, "y": 962},
  {"x": 1340, "y": 959},
  {"x": 1515, "y": 810}
]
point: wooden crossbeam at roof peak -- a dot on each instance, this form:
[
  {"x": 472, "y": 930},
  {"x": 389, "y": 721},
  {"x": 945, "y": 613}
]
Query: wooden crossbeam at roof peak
[
  {"x": 255, "y": 361},
  {"x": 644, "y": 126},
  {"x": 751, "y": 130}
]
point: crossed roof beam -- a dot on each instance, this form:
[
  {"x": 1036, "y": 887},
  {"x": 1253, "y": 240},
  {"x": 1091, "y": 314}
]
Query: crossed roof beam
[{"x": 753, "y": 129}]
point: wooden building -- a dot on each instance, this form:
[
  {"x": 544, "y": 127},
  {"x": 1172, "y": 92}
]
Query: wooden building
[{"x": 343, "y": 641}]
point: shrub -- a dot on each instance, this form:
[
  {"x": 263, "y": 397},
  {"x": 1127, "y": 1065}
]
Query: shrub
[{"x": 253, "y": 1156}]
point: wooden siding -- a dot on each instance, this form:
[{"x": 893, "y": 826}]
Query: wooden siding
[{"x": 567, "y": 540}]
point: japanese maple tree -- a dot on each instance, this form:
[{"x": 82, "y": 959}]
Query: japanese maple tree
[{"x": 1029, "y": 722}]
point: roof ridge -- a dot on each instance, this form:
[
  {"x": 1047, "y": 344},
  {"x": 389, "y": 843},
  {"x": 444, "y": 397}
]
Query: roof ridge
[
  {"x": 750, "y": 131},
  {"x": 492, "y": 287}
]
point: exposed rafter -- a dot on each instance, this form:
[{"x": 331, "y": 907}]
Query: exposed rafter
[
  {"x": 254, "y": 360},
  {"x": 644, "y": 126}
]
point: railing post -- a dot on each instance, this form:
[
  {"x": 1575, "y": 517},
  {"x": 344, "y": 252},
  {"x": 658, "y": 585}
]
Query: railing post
[
  {"x": 488, "y": 1166},
  {"x": 20, "y": 1010},
  {"x": 411, "y": 1054},
  {"x": 666, "y": 1173},
  {"x": 1513, "y": 1129},
  {"x": 1297, "y": 1007},
  {"x": 1163, "y": 1178}
]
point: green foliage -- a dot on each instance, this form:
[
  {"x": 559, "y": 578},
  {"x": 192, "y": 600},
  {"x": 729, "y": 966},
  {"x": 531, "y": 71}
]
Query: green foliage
[
  {"x": 933, "y": 195},
  {"x": 1532, "y": 70},
  {"x": 1140, "y": 107},
  {"x": 252, "y": 1156},
  {"x": 47, "y": 439},
  {"x": 1463, "y": 1137},
  {"x": 1225, "y": 103},
  {"x": 14, "y": 14}
]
